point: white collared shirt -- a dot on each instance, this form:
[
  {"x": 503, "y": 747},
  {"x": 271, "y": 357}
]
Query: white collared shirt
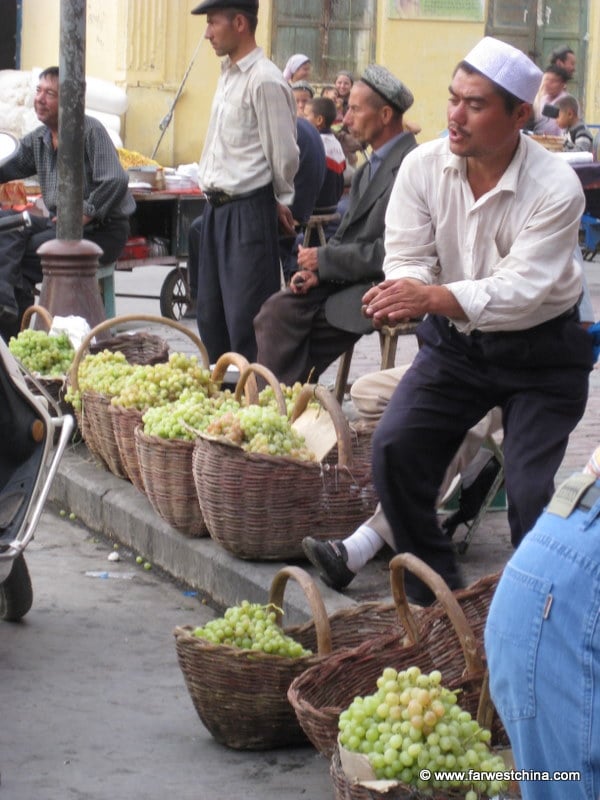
[
  {"x": 506, "y": 257},
  {"x": 251, "y": 138}
]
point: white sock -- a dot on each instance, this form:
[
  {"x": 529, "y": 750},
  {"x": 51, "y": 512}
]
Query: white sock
[{"x": 361, "y": 546}]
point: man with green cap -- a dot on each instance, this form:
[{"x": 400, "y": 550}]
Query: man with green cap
[{"x": 246, "y": 171}]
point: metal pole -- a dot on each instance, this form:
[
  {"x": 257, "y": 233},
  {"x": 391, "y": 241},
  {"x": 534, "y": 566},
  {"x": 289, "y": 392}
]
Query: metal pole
[
  {"x": 69, "y": 224},
  {"x": 70, "y": 263}
]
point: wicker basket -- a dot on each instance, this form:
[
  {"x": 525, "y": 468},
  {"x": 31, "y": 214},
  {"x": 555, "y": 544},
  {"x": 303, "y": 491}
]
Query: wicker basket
[
  {"x": 448, "y": 643},
  {"x": 126, "y": 420},
  {"x": 95, "y": 419},
  {"x": 346, "y": 789},
  {"x": 320, "y": 696},
  {"x": 241, "y": 695},
  {"x": 52, "y": 388},
  {"x": 261, "y": 507},
  {"x": 165, "y": 467}
]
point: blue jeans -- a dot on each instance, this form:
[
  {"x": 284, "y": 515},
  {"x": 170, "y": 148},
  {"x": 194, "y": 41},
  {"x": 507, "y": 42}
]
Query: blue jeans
[{"x": 542, "y": 642}]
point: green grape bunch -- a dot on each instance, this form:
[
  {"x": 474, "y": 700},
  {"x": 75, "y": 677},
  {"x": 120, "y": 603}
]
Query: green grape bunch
[
  {"x": 42, "y": 354},
  {"x": 151, "y": 385},
  {"x": 251, "y": 626},
  {"x": 261, "y": 429},
  {"x": 104, "y": 372},
  {"x": 413, "y": 724},
  {"x": 193, "y": 411}
]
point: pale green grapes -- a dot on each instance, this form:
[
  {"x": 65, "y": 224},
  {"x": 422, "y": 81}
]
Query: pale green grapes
[
  {"x": 412, "y": 723},
  {"x": 252, "y": 626},
  {"x": 42, "y": 354}
]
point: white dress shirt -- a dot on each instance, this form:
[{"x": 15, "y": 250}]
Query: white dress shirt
[
  {"x": 506, "y": 257},
  {"x": 251, "y": 138}
]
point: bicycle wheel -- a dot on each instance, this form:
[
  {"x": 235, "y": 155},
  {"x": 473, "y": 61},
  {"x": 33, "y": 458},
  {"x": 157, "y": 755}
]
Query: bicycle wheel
[{"x": 175, "y": 294}]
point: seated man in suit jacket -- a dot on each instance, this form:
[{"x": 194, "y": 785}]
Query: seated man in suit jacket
[{"x": 301, "y": 330}]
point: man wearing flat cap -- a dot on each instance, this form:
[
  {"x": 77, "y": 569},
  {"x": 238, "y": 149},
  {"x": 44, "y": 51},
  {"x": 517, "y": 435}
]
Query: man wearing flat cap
[
  {"x": 481, "y": 232},
  {"x": 304, "y": 328},
  {"x": 246, "y": 171}
]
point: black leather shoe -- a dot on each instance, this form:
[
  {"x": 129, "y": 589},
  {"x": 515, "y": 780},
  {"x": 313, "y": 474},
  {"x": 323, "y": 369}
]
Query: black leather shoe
[
  {"x": 472, "y": 497},
  {"x": 330, "y": 559}
]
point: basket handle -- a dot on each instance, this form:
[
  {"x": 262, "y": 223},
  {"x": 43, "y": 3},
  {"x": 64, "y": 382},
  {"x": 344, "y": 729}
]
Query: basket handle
[
  {"x": 485, "y": 708},
  {"x": 42, "y": 313},
  {"x": 326, "y": 398},
  {"x": 315, "y": 601},
  {"x": 466, "y": 637},
  {"x": 110, "y": 323},
  {"x": 258, "y": 369},
  {"x": 241, "y": 362}
]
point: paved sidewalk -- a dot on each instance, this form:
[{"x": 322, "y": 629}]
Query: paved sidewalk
[{"x": 114, "y": 508}]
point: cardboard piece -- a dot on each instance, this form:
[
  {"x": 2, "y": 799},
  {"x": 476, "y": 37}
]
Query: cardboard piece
[{"x": 316, "y": 425}]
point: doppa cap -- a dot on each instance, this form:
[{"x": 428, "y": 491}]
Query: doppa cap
[
  {"x": 507, "y": 66},
  {"x": 210, "y": 5},
  {"x": 388, "y": 86}
]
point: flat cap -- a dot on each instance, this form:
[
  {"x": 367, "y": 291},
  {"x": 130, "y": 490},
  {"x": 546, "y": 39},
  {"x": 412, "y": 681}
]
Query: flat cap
[
  {"x": 251, "y": 6},
  {"x": 508, "y": 67},
  {"x": 389, "y": 87}
]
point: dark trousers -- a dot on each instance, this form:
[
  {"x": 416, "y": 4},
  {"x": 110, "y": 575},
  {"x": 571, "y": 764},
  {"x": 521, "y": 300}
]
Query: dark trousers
[
  {"x": 194, "y": 236},
  {"x": 20, "y": 266},
  {"x": 539, "y": 377},
  {"x": 295, "y": 340},
  {"x": 238, "y": 269}
]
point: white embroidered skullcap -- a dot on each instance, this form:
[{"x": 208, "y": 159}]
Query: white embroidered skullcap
[{"x": 506, "y": 66}]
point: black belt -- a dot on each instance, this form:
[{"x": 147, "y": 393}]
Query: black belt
[
  {"x": 217, "y": 198},
  {"x": 590, "y": 497}
]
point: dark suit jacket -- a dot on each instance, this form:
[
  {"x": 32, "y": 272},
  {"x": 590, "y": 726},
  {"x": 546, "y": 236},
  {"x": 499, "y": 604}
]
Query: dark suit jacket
[{"x": 353, "y": 257}]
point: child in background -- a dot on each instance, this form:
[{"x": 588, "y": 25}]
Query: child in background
[
  {"x": 320, "y": 112},
  {"x": 577, "y": 136}
]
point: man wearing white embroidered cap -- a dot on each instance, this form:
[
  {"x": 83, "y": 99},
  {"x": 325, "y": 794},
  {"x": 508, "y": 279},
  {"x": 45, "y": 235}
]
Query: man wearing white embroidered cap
[{"x": 481, "y": 229}]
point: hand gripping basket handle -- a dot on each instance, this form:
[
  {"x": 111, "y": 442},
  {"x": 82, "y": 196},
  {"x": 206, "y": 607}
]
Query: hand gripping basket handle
[
  {"x": 474, "y": 664},
  {"x": 315, "y": 601},
  {"x": 241, "y": 362},
  {"x": 110, "y": 323},
  {"x": 248, "y": 375},
  {"x": 42, "y": 313},
  {"x": 309, "y": 392}
]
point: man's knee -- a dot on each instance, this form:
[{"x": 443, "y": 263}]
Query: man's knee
[{"x": 371, "y": 393}]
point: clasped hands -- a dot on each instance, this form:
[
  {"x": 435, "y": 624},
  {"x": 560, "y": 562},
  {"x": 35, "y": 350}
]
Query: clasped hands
[{"x": 307, "y": 277}]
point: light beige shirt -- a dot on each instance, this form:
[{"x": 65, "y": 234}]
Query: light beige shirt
[
  {"x": 506, "y": 257},
  {"x": 251, "y": 138}
]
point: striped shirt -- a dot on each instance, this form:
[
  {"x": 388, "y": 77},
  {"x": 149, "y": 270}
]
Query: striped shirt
[{"x": 105, "y": 182}]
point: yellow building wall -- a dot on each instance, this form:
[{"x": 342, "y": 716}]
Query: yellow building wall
[{"x": 146, "y": 47}]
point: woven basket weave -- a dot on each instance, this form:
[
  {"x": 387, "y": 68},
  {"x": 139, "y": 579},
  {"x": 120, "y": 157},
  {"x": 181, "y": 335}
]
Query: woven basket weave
[
  {"x": 453, "y": 636},
  {"x": 126, "y": 420},
  {"x": 448, "y": 643},
  {"x": 261, "y": 507},
  {"x": 241, "y": 695},
  {"x": 95, "y": 420},
  {"x": 165, "y": 467}
]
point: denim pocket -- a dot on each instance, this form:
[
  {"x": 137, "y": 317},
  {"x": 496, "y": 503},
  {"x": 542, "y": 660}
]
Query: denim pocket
[{"x": 512, "y": 637}]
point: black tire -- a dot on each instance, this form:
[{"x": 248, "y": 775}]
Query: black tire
[
  {"x": 175, "y": 294},
  {"x": 16, "y": 593}
]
